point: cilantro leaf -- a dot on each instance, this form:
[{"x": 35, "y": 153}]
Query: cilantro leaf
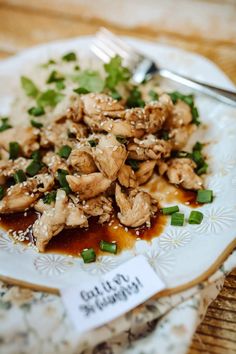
[
  {"x": 135, "y": 98},
  {"x": 50, "y": 62},
  {"x": 29, "y": 87},
  {"x": 71, "y": 56},
  {"x": 90, "y": 81},
  {"x": 153, "y": 95},
  {"x": 5, "y": 125},
  {"x": 49, "y": 98},
  {"x": 115, "y": 72}
]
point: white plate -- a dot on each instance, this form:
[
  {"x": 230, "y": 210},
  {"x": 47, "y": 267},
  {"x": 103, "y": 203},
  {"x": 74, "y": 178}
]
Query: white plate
[{"x": 182, "y": 256}]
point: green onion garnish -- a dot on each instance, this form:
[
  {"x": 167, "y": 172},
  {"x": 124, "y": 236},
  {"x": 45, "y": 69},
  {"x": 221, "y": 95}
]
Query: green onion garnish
[
  {"x": 81, "y": 91},
  {"x": 170, "y": 210},
  {"x": 5, "y": 125},
  {"x": 1, "y": 192},
  {"x": 153, "y": 95},
  {"x": 65, "y": 151},
  {"x": 60, "y": 85},
  {"x": 55, "y": 76},
  {"x": 204, "y": 196},
  {"x": 110, "y": 247},
  {"x": 88, "y": 255},
  {"x": 133, "y": 164},
  {"x": 36, "y": 111},
  {"x": 177, "y": 219},
  {"x": 61, "y": 176},
  {"x": 19, "y": 176},
  {"x": 165, "y": 135},
  {"x": 71, "y": 56},
  {"x": 33, "y": 168},
  {"x": 195, "y": 217},
  {"x": 50, "y": 197},
  {"x": 92, "y": 142},
  {"x": 14, "y": 150},
  {"x": 116, "y": 95},
  {"x": 121, "y": 139},
  {"x": 36, "y": 155},
  {"x": 36, "y": 124}
]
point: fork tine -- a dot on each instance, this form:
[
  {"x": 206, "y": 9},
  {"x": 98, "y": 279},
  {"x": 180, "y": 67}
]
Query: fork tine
[
  {"x": 108, "y": 42},
  {"x": 100, "y": 53},
  {"x": 126, "y": 48},
  {"x": 106, "y": 49}
]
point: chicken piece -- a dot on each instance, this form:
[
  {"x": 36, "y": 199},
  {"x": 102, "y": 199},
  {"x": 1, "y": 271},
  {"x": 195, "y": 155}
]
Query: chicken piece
[
  {"x": 121, "y": 127},
  {"x": 99, "y": 206},
  {"x": 181, "y": 116},
  {"x": 127, "y": 177},
  {"x": 109, "y": 155},
  {"x": 75, "y": 216},
  {"x": 9, "y": 167},
  {"x": 51, "y": 222},
  {"x": 149, "y": 148},
  {"x": 75, "y": 112},
  {"x": 81, "y": 160},
  {"x": 40, "y": 206},
  {"x": 181, "y": 171},
  {"x": 145, "y": 171},
  {"x": 21, "y": 196},
  {"x": 54, "y": 162},
  {"x": 57, "y": 134},
  {"x": 135, "y": 209},
  {"x": 88, "y": 186},
  {"x": 25, "y": 136},
  {"x": 95, "y": 104},
  {"x": 180, "y": 136}
]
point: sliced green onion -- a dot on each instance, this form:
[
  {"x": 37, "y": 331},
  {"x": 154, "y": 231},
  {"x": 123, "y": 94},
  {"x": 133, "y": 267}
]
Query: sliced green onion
[
  {"x": 76, "y": 68},
  {"x": 19, "y": 176},
  {"x": 33, "y": 168},
  {"x": 110, "y": 247},
  {"x": 65, "y": 151},
  {"x": 116, "y": 95},
  {"x": 71, "y": 56},
  {"x": 92, "y": 142},
  {"x": 1, "y": 192},
  {"x": 14, "y": 150},
  {"x": 121, "y": 139},
  {"x": 170, "y": 210},
  {"x": 5, "y": 124},
  {"x": 36, "y": 155},
  {"x": 133, "y": 164},
  {"x": 81, "y": 91},
  {"x": 204, "y": 196},
  {"x": 177, "y": 219},
  {"x": 60, "y": 85},
  {"x": 195, "y": 217},
  {"x": 36, "y": 111},
  {"x": 55, "y": 76},
  {"x": 50, "y": 197},
  {"x": 61, "y": 176},
  {"x": 202, "y": 169},
  {"x": 165, "y": 135},
  {"x": 36, "y": 124},
  {"x": 88, "y": 255}
]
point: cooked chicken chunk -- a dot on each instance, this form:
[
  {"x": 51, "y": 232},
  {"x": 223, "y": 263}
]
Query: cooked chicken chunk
[
  {"x": 25, "y": 136},
  {"x": 135, "y": 209},
  {"x": 81, "y": 160},
  {"x": 9, "y": 167},
  {"x": 99, "y": 206},
  {"x": 75, "y": 112},
  {"x": 181, "y": 115},
  {"x": 75, "y": 216},
  {"x": 149, "y": 148},
  {"x": 23, "y": 195},
  {"x": 54, "y": 162},
  {"x": 58, "y": 134},
  {"x": 180, "y": 136},
  {"x": 127, "y": 177},
  {"x": 181, "y": 171},
  {"x": 109, "y": 155},
  {"x": 88, "y": 186},
  {"x": 95, "y": 104},
  {"x": 51, "y": 222},
  {"x": 145, "y": 171}
]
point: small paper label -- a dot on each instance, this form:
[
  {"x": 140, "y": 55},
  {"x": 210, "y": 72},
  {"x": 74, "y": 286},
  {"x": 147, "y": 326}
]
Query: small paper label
[{"x": 93, "y": 304}]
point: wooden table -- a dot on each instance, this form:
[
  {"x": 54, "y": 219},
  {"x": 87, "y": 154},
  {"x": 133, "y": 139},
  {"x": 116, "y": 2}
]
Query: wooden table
[{"x": 206, "y": 27}]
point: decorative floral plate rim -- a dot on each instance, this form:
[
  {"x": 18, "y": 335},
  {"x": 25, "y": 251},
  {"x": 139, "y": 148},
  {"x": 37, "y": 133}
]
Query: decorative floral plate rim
[{"x": 207, "y": 245}]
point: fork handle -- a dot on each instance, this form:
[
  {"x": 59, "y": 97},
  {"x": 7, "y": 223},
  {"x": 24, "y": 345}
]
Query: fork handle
[{"x": 223, "y": 95}]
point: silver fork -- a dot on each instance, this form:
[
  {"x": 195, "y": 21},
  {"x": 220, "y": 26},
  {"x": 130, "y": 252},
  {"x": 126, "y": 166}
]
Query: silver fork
[{"x": 107, "y": 45}]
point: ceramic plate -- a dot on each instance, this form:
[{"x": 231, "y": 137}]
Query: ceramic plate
[{"x": 182, "y": 256}]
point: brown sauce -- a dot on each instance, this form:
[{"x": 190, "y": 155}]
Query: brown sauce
[{"x": 73, "y": 241}]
